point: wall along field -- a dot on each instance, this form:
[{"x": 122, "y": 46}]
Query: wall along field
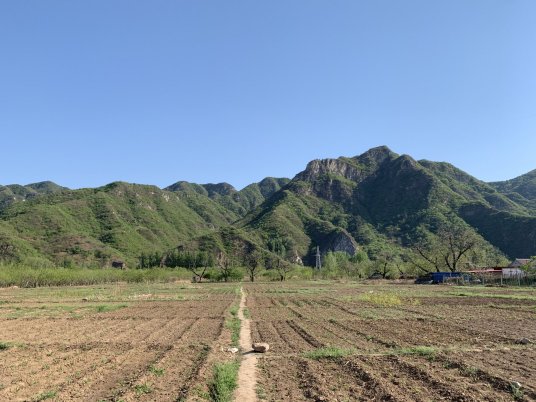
[{"x": 328, "y": 341}]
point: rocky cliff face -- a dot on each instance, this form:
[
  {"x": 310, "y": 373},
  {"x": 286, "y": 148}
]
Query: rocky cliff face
[
  {"x": 336, "y": 179},
  {"x": 341, "y": 240},
  {"x": 330, "y": 167}
]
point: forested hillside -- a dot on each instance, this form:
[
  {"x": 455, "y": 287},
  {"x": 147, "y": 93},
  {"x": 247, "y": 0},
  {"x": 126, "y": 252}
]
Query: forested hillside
[{"x": 379, "y": 203}]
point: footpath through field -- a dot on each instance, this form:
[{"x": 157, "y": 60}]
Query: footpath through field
[{"x": 247, "y": 375}]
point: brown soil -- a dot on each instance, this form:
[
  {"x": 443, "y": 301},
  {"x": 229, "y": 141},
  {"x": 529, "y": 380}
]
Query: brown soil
[
  {"x": 474, "y": 354},
  {"x": 149, "y": 350}
]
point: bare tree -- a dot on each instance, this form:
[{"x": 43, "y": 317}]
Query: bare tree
[
  {"x": 385, "y": 262},
  {"x": 447, "y": 250},
  {"x": 458, "y": 241},
  {"x": 198, "y": 265},
  {"x": 428, "y": 258},
  {"x": 225, "y": 265}
]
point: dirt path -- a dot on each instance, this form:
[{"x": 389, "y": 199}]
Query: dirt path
[{"x": 247, "y": 374}]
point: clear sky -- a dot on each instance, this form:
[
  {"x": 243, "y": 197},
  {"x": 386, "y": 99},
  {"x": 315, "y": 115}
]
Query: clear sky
[{"x": 159, "y": 91}]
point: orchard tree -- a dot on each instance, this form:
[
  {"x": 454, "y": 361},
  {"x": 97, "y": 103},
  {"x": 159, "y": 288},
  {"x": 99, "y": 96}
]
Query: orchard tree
[
  {"x": 199, "y": 264},
  {"x": 283, "y": 268},
  {"x": 386, "y": 263},
  {"x": 253, "y": 264}
]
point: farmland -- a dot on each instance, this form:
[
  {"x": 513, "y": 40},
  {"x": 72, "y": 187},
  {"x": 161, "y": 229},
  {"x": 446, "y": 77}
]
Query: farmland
[
  {"x": 113, "y": 342},
  {"x": 328, "y": 341},
  {"x": 394, "y": 342}
]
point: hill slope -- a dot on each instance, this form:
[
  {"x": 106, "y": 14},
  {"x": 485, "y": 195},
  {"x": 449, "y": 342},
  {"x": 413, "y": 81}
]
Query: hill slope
[
  {"x": 237, "y": 202},
  {"x": 115, "y": 221},
  {"x": 13, "y": 193},
  {"x": 521, "y": 190},
  {"x": 381, "y": 199},
  {"x": 376, "y": 201}
]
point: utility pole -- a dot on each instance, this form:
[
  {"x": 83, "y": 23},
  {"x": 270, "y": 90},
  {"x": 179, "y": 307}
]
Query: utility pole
[{"x": 318, "y": 258}]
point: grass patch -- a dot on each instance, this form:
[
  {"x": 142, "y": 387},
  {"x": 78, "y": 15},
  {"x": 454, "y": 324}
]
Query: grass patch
[
  {"x": 4, "y": 346},
  {"x": 381, "y": 299},
  {"x": 329, "y": 352},
  {"x": 224, "y": 381},
  {"x": 159, "y": 372},
  {"x": 247, "y": 313},
  {"x": 516, "y": 391},
  {"x": 104, "y": 308},
  {"x": 45, "y": 395},
  {"x": 469, "y": 371},
  {"x": 234, "y": 310},
  {"x": 494, "y": 295},
  {"x": 233, "y": 325},
  {"x": 142, "y": 389},
  {"x": 426, "y": 351},
  {"x": 386, "y": 299},
  {"x": 261, "y": 393}
]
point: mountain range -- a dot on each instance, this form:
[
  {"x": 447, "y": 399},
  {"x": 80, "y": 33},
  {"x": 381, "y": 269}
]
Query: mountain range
[{"x": 368, "y": 202}]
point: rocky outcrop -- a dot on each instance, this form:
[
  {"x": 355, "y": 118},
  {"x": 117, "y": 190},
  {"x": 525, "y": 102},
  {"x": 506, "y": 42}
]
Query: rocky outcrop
[
  {"x": 330, "y": 167},
  {"x": 340, "y": 240}
]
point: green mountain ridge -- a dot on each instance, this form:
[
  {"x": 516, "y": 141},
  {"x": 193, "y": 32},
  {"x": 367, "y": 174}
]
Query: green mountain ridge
[
  {"x": 239, "y": 202},
  {"x": 15, "y": 193},
  {"x": 375, "y": 201},
  {"x": 381, "y": 199},
  {"x": 521, "y": 190}
]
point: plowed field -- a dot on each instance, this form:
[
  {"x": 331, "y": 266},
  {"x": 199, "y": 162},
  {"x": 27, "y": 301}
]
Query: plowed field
[
  {"x": 122, "y": 342},
  {"x": 394, "y": 342},
  {"x": 328, "y": 342}
]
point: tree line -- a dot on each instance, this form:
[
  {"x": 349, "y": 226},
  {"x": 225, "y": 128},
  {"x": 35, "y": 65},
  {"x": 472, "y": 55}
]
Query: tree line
[{"x": 453, "y": 247}]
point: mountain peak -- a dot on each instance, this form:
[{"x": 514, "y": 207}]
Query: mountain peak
[
  {"x": 376, "y": 155},
  {"x": 219, "y": 189},
  {"x": 46, "y": 187}
]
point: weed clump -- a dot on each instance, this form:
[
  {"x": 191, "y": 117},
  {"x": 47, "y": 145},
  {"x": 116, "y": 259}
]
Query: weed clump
[
  {"x": 44, "y": 396},
  {"x": 381, "y": 299},
  {"x": 104, "y": 308},
  {"x": 385, "y": 299},
  {"x": 328, "y": 352},
  {"x": 224, "y": 381},
  {"x": 141, "y": 389},
  {"x": 233, "y": 324},
  {"x": 159, "y": 372},
  {"x": 426, "y": 351}
]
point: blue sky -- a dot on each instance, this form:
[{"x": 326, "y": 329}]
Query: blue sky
[{"x": 208, "y": 91}]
